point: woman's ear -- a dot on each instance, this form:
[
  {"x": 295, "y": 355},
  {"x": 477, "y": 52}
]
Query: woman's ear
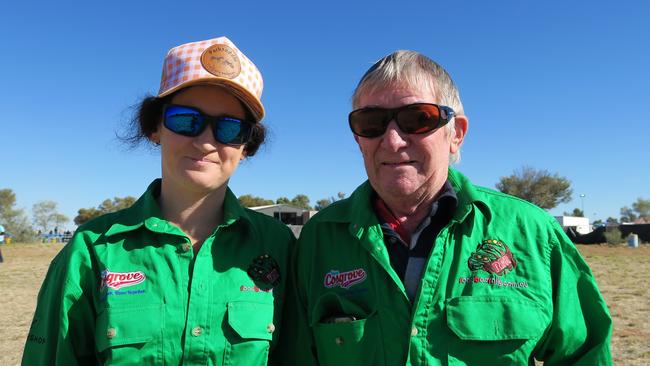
[{"x": 155, "y": 137}]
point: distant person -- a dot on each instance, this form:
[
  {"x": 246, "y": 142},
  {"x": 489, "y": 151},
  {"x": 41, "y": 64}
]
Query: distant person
[
  {"x": 2, "y": 241},
  {"x": 421, "y": 267},
  {"x": 186, "y": 275}
]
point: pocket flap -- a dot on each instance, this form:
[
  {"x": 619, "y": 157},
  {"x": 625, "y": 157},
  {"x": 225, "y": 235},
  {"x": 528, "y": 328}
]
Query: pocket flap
[
  {"x": 493, "y": 318},
  {"x": 122, "y": 326},
  {"x": 251, "y": 319}
]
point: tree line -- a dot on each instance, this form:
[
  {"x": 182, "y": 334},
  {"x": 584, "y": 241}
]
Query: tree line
[{"x": 546, "y": 190}]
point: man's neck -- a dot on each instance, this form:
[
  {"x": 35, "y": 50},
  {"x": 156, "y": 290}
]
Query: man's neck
[{"x": 411, "y": 210}]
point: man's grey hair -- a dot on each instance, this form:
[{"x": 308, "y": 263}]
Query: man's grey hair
[{"x": 416, "y": 71}]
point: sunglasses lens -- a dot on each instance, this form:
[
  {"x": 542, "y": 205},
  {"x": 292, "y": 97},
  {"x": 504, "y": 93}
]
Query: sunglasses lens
[
  {"x": 419, "y": 118},
  {"x": 183, "y": 121},
  {"x": 231, "y": 131},
  {"x": 368, "y": 122}
]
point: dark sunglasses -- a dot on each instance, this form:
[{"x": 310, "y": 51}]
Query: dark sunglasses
[
  {"x": 415, "y": 118},
  {"x": 189, "y": 121}
]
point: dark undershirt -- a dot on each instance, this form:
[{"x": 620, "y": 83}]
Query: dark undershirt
[{"x": 409, "y": 259}]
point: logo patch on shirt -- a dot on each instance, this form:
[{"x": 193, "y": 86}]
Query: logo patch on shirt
[
  {"x": 492, "y": 256},
  {"x": 345, "y": 280},
  {"x": 253, "y": 288},
  {"x": 264, "y": 270},
  {"x": 117, "y": 280}
]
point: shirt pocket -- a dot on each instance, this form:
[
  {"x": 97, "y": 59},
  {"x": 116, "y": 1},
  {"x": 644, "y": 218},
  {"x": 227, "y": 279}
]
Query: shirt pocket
[
  {"x": 354, "y": 342},
  {"x": 252, "y": 330},
  {"x": 493, "y": 329},
  {"x": 130, "y": 335}
]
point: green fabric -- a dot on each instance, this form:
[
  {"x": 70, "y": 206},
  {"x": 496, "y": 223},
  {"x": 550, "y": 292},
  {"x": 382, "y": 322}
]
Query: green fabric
[
  {"x": 191, "y": 310},
  {"x": 528, "y": 294}
]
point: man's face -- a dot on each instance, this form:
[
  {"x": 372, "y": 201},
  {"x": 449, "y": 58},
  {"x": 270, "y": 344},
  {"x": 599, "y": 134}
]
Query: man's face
[{"x": 401, "y": 165}]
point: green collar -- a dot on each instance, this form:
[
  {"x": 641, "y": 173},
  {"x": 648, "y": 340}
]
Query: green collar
[
  {"x": 357, "y": 209},
  {"x": 146, "y": 212}
]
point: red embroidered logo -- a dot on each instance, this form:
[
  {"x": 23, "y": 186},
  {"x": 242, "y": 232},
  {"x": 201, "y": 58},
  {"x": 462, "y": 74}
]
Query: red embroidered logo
[
  {"x": 344, "y": 279},
  {"x": 492, "y": 256},
  {"x": 117, "y": 280},
  {"x": 253, "y": 288}
]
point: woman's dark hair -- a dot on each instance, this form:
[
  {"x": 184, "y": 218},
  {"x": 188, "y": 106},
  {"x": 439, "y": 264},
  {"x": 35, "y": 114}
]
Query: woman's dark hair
[{"x": 148, "y": 116}]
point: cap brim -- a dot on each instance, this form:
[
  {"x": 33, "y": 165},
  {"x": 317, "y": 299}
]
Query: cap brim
[{"x": 250, "y": 101}]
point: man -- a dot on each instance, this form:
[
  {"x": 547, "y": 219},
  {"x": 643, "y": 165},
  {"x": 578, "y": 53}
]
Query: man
[{"x": 419, "y": 266}]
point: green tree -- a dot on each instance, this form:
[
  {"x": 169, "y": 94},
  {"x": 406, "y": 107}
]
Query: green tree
[
  {"x": 283, "y": 200},
  {"x": 302, "y": 201},
  {"x": 640, "y": 210},
  {"x": 107, "y": 206},
  {"x": 322, "y": 203},
  {"x": 13, "y": 219},
  {"x": 576, "y": 212},
  {"x": 627, "y": 214},
  {"x": 540, "y": 187},
  {"x": 86, "y": 214},
  {"x": 248, "y": 200},
  {"x": 611, "y": 220},
  {"x": 45, "y": 215},
  {"x": 598, "y": 222}
]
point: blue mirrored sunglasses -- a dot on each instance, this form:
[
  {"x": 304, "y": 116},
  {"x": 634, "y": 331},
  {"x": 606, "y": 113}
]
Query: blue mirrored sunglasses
[{"x": 191, "y": 122}]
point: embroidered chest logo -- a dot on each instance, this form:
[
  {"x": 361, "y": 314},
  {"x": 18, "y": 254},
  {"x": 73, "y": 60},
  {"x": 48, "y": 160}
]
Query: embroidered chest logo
[
  {"x": 492, "y": 256},
  {"x": 345, "y": 280},
  {"x": 264, "y": 270},
  {"x": 117, "y": 280}
]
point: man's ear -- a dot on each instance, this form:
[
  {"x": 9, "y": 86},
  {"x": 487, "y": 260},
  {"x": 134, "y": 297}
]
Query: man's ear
[
  {"x": 356, "y": 138},
  {"x": 460, "y": 131}
]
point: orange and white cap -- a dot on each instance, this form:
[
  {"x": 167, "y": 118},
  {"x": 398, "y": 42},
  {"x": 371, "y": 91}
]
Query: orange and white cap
[{"x": 215, "y": 61}]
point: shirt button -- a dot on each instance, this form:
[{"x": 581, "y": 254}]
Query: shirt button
[
  {"x": 338, "y": 341},
  {"x": 186, "y": 247},
  {"x": 414, "y": 331},
  {"x": 111, "y": 333},
  {"x": 270, "y": 328},
  {"x": 197, "y": 331}
]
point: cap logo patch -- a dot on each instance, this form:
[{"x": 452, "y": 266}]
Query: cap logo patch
[
  {"x": 221, "y": 60},
  {"x": 117, "y": 280},
  {"x": 345, "y": 280},
  {"x": 492, "y": 256}
]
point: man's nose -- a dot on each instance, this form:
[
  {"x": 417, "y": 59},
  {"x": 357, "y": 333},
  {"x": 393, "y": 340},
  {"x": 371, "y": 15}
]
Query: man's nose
[{"x": 394, "y": 138}]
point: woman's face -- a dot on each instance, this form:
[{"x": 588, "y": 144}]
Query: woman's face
[{"x": 200, "y": 164}]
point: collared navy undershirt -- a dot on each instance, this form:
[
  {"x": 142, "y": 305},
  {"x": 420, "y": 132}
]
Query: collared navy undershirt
[{"x": 409, "y": 260}]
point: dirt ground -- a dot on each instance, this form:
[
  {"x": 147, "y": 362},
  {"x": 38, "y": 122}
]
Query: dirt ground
[{"x": 622, "y": 273}]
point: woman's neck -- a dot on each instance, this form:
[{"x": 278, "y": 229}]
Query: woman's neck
[{"x": 196, "y": 213}]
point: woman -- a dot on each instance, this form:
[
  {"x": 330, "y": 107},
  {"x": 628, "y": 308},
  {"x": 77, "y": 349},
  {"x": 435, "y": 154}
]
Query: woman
[{"x": 186, "y": 275}]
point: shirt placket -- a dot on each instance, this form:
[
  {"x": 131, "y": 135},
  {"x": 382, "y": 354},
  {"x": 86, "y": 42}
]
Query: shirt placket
[
  {"x": 424, "y": 301},
  {"x": 197, "y": 326}
]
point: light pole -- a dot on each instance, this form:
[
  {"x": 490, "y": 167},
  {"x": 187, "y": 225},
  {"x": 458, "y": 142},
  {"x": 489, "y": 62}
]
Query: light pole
[{"x": 582, "y": 203}]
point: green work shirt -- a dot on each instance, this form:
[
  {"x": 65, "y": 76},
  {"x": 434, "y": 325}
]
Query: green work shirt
[
  {"x": 502, "y": 285},
  {"x": 128, "y": 289}
]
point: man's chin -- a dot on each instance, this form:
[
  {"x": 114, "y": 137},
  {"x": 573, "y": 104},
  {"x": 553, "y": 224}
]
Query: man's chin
[{"x": 395, "y": 188}]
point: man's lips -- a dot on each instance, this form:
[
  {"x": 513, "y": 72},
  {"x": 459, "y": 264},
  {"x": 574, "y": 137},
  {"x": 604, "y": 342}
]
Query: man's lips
[{"x": 398, "y": 163}]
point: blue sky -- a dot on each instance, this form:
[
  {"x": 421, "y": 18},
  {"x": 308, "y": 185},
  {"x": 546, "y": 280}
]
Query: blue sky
[{"x": 557, "y": 85}]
